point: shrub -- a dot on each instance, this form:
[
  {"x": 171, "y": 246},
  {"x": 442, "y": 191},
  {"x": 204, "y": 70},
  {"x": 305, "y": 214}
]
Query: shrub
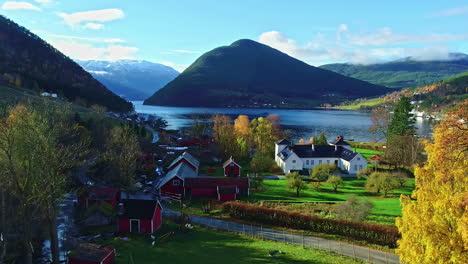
[
  {"x": 335, "y": 182},
  {"x": 364, "y": 173},
  {"x": 382, "y": 181},
  {"x": 353, "y": 209},
  {"x": 372, "y": 233}
]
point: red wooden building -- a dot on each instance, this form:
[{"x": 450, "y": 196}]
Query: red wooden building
[
  {"x": 231, "y": 168},
  {"x": 87, "y": 253},
  {"x": 98, "y": 194},
  {"x": 140, "y": 216},
  {"x": 173, "y": 182},
  {"x": 222, "y": 189},
  {"x": 187, "y": 159}
]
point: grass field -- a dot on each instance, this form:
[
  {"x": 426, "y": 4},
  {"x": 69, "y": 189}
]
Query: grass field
[
  {"x": 206, "y": 246},
  {"x": 367, "y": 153},
  {"x": 363, "y": 104},
  {"x": 384, "y": 212}
]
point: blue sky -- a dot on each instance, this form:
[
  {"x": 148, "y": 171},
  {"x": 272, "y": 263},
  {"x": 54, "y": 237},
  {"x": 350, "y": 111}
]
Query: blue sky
[{"x": 176, "y": 32}]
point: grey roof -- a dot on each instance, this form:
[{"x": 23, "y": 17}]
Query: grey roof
[
  {"x": 188, "y": 157},
  {"x": 182, "y": 171},
  {"x": 307, "y": 151},
  {"x": 283, "y": 142},
  {"x": 340, "y": 142}
]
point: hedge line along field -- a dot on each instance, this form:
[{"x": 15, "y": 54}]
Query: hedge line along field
[
  {"x": 214, "y": 247},
  {"x": 371, "y": 233},
  {"x": 384, "y": 212}
]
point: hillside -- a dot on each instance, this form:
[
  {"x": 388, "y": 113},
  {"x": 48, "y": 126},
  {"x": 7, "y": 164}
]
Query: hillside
[
  {"x": 250, "y": 74},
  {"x": 436, "y": 97},
  {"x": 405, "y": 73},
  {"x": 130, "y": 79},
  {"x": 29, "y": 62}
]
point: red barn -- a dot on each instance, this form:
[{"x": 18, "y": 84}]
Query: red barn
[
  {"x": 173, "y": 182},
  {"x": 140, "y": 216},
  {"x": 231, "y": 168},
  {"x": 187, "y": 159},
  {"x": 92, "y": 254},
  {"x": 223, "y": 189},
  {"x": 97, "y": 194}
]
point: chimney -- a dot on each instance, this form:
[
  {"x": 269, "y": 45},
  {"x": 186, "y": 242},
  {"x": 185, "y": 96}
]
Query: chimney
[
  {"x": 336, "y": 147},
  {"x": 313, "y": 148}
]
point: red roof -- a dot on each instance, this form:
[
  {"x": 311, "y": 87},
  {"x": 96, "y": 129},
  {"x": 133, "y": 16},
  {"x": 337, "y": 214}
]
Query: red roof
[
  {"x": 376, "y": 157},
  {"x": 215, "y": 182}
]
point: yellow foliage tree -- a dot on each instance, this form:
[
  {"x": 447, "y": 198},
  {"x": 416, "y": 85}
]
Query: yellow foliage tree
[
  {"x": 434, "y": 226},
  {"x": 242, "y": 125}
]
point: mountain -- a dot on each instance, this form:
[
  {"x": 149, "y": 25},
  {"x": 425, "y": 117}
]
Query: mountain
[
  {"x": 28, "y": 61},
  {"x": 130, "y": 79},
  {"x": 404, "y": 73},
  {"x": 248, "y": 74}
]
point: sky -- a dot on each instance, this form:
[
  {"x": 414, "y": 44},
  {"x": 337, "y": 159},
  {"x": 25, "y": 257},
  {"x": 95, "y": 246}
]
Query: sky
[{"x": 177, "y": 32}]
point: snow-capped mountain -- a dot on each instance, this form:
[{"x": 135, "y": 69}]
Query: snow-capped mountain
[{"x": 131, "y": 79}]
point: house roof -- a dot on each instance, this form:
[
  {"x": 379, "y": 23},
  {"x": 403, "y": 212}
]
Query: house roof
[
  {"x": 188, "y": 158},
  {"x": 216, "y": 182},
  {"x": 138, "y": 209},
  {"x": 283, "y": 142},
  {"x": 182, "y": 171},
  {"x": 102, "y": 193},
  {"x": 229, "y": 161},
  {"x": 312, "y": 151},
  {"x": 340, "y": 142},
  {"x": 91, "y": 252}
]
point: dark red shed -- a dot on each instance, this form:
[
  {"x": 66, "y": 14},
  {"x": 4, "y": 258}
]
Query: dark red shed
[
  {"x": 97, "y": 194},
  {"x": 231, "y": 168},
  {"x": 140, "y": 216},
  {"x": 223, "y": 189},
  {"x": 87, "y": 253}
]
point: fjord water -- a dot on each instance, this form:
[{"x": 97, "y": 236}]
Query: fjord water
[{"x": 302, "y": 123}]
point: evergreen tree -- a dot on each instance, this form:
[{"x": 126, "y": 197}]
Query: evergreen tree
[{"x": 402, "y": 120}]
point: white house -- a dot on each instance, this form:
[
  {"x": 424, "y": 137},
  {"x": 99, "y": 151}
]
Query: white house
[{"x": 290, "y": 157}]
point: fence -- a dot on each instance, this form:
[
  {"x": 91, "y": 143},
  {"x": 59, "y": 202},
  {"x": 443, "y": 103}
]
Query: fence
[{"x": 351, "y": 250}]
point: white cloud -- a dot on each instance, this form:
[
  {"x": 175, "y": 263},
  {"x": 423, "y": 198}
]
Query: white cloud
[
  {"x": 102, "y": 40},
  {"x": 19, "y": 6},
  {"x": 104, "y": 15},
  {"x": 93, "y": 26},
  {"x": 114, "y": 40},
  {"x": 456, "y": 11},
  {"x": 350, "y": 48},
  {"x": 386, "y": 36},
  {"x": 180, "y": 51},
  {"x": 86, "y": 51},
  {"x": 43, "y": 2}
]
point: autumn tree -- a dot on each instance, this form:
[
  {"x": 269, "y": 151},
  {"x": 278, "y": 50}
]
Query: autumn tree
[
  {"x": 335, "y": 182},
  {"x": 294, "y": 182},
  {"x": 380, "y": 118},
  {"x": 404, "y": 150},
  {"x": 225, "y": 136},
  {"x": 242, "y": 126},
  {"x": 122, "y": 151},
  {"x": 275, "y": 121},
  {"x": 263, "y": 137},
  {"x": 434, "y": 225},
  {"x": 381, "y": 182}
]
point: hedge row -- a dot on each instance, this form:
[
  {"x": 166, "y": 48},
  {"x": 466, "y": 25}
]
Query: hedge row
[{"x": 372, "y": 233}]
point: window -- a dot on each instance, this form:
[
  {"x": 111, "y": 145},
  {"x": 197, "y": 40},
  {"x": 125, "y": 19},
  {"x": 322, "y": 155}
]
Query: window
[
  {"x": 320, "y": 161},
  {"x": 328, "y": 162},
  {"x": 176, "y": 182},
  {"x": 360, "y": 167},
  {"x": 307, "y": 162},
  {"x": 358, "y": 158},
  {"x": 293, "y": 161},
  {"x": 355, "y": 167},
  {"x": 312, "y": 162}
]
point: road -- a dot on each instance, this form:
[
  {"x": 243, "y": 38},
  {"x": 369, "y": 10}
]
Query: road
[{"x": 363, "y": 253}]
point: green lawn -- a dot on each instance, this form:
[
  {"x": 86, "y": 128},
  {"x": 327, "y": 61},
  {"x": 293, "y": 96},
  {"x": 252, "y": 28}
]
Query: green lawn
[
  {"x": 363, "y": 103},
  {"x": 384, "y": 212},
  {"x": 206, "y": 246},
  {"x": 367, "y": 153}
]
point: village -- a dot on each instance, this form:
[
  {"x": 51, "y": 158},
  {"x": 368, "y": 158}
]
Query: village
[{"x": 187, "y": 177}]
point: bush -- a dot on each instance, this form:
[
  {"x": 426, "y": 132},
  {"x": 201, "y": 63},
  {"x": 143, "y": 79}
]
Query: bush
[
  {"x": 382, "y": 181},
  {"x": 353, "y": 209},
  {"x": 364, "y": 173},
  {"x": 335, "y": 182},
  {"x": 372, "y": 233}
]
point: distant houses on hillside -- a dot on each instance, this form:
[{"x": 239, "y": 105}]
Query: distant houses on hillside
[{"x": 297, "y": 157}]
